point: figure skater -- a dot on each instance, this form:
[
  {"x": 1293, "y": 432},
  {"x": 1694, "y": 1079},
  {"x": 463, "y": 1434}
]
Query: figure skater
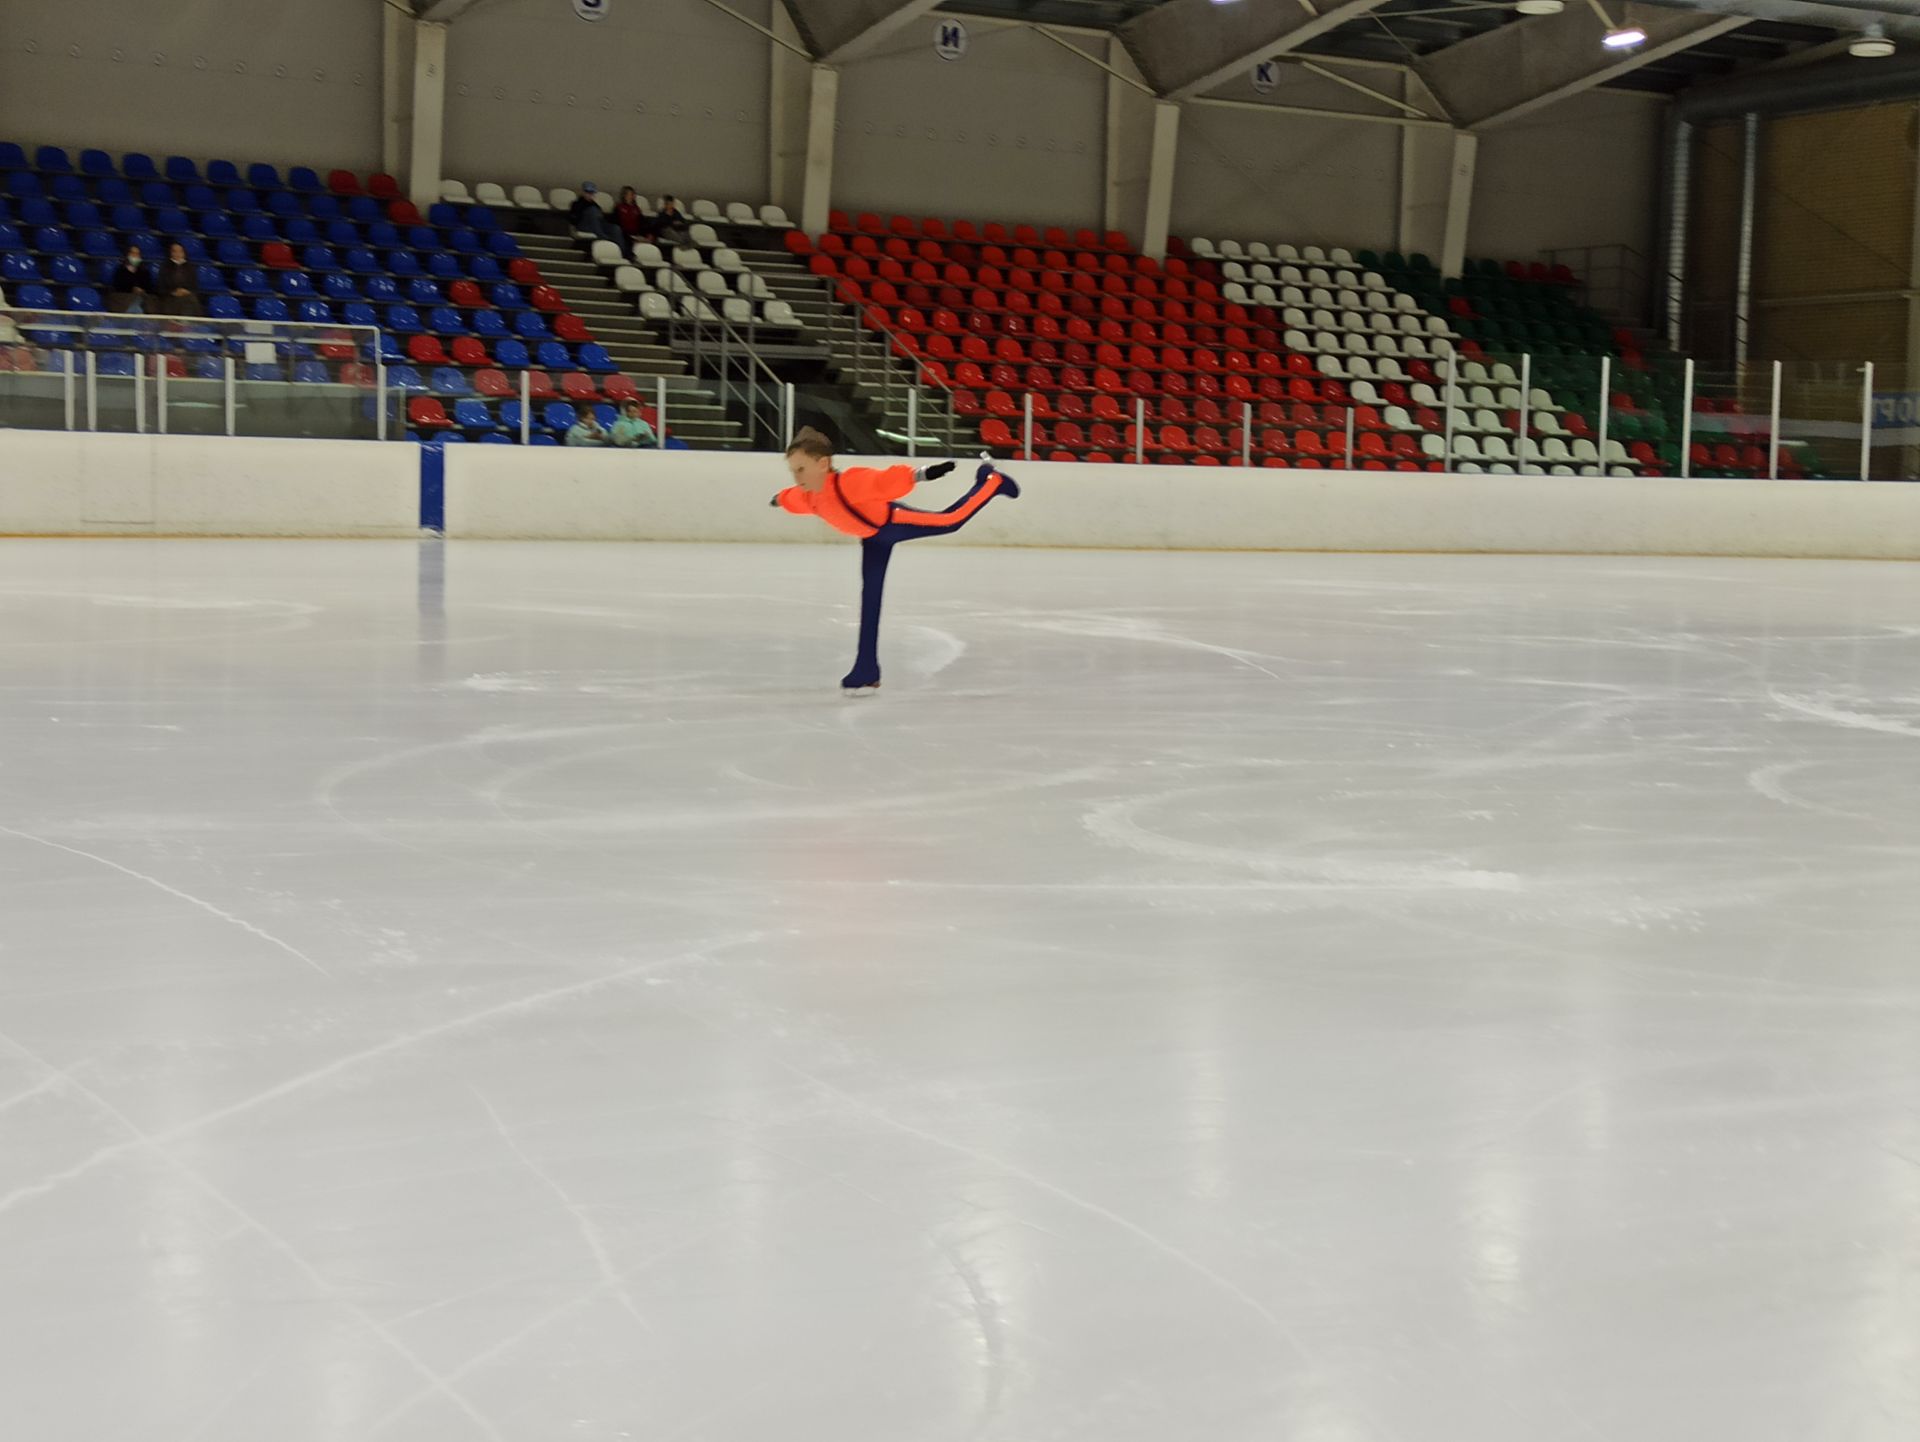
[{"x": 861, "y": 502}]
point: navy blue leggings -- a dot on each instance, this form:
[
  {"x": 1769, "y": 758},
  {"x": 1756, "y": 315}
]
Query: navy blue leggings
[{"x": 904, "y": 523}]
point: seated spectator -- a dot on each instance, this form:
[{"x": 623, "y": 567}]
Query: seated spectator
[
  {"x": 670, "y": 225},
  {"x": 586, "y": 216},
  {"x": 586, "y": 431},
  {"x": 627, "y": 215},
  {"x": 179, "y": 287},
  {"x": 131, "y": 285},
  {"x": 631, "y": 430},
  {"x": 7, "y": 330}
]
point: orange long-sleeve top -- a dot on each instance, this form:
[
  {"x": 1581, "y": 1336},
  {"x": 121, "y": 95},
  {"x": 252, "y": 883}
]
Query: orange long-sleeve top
[{"x": 855, "y": 501}]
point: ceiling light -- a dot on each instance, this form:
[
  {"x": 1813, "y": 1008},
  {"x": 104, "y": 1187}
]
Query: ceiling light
[
  {"x": 1872, "y": 43},
  {"x": 1625, "y": 38},
  {"x": 1540, "y": 7}
]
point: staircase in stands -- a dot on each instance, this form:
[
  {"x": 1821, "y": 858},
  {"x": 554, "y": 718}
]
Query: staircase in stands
[{"x": 694, "y": 413}]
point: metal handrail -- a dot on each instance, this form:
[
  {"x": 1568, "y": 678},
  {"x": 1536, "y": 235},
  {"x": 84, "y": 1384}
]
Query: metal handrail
[{"x": 884, "y": 338}]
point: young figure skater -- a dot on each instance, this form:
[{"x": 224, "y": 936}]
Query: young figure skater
[{"x": 860, "y": 502}]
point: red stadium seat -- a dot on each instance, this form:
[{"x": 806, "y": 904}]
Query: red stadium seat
[
  {"x": 579, "y": 386},
  {"x": 343, "y": 182},
  {"x": 426, "y": 350},
  {"x": 403, "y": 212},
  {"x": 427, "y": 412},
  {"x": 383, "y": 187},
  {"x": 467, "y": 351},
  {"x": 492, "y": 383}
]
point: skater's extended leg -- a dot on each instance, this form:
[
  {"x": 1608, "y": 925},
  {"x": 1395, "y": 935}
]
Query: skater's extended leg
[
  {"x": 905, "y": 523},
  {"x": 875, "y": 552}
]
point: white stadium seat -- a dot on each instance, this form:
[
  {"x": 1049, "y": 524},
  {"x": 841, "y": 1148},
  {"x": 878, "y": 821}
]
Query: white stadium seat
[
  {"x": 1203, "y": 248},
  {"x": 711, "y": 282},
  {"x": 706, "y": 210},
  {"x": 736, "y": 310},
  {"x": 631, "y": 279},
  {"x": 605, "y": 252},
  {"x": 488, "y": 193},
  {"x": 773, "y": 215},
  {"x": 728, "y": 260},
  {"x": 655, "y": 306},
  {"x": 704, "y": 236},
  {"x": 778, "y": 312},
  {"x": 560, "y": 198},
  {"x": 454, "y": 192},
  {"x": 685, "y": 257},
  {"x": 740, "y": 213},
  {"x": 695, "y": 307},
  {"x": 646, "y": 253},
  {"x": 527, "y": 197}
]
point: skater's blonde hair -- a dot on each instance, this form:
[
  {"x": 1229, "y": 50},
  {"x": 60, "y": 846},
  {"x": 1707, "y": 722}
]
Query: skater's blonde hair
[{"x": 809, "y": 442}]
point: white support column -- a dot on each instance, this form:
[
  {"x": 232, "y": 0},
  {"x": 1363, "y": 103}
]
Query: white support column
[
  {"x": 823, "y": 107},
  {"x": 1166, "y": 145},
  {"x": 429, "y": 111},
  {"x": 786, "y": 113},
  {"x": 1114, "y": 213},
  {"x": 396, "y": 71},
  {"x": 1426, "y": 154},
  {"x": 1453, "y": 244}
]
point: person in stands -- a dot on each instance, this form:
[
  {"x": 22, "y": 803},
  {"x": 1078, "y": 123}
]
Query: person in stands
[
  {"x": 585, "y": 214},
  {"x": 587, "y": 431},
  {"x": 131, "y": 285},
  {"x": 628, "y": 216},
  {"x": 631, "y": 431},
  {"x": 179, "y": 286},
  {"x": 670, "y": 225}
]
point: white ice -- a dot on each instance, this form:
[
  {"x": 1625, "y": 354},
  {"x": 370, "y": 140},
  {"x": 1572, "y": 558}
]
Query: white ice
[{"x": 507, "y": 993}]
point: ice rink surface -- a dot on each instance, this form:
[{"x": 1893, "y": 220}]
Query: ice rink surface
[{"x": 505, "y": 992}]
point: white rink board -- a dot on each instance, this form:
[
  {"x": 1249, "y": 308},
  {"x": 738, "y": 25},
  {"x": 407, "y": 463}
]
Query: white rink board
[
  {"x": 54, "y": 483},
  {"x": 495, "y": 492}
]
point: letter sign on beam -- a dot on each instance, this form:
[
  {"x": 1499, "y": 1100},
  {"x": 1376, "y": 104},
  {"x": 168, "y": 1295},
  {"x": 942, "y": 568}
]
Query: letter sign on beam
[
  {"x": 591, "y": 9},
  {"x": 950, "y": 40}
]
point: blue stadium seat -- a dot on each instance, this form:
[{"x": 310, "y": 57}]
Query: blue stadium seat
[
  {"x": 339, "y": 286},
  {"x": 148, "y": 243},
  {"x": 343, "y": 233},
  {"x": 482, "y": 219},
  {"x": 51, "y": 240},
  {"x": 263, "y": 177},
  {"x": 421, "y": 291},
  {"x": 233, "y": 252},
  {"x": 210, "y": 368},
  {"x": 252, "y": 281},
  {"x": 301, "y": 231},
  {"x": 259, "y": 228},
  {"x": 114, "y": 191},
  {"x": 446, "y": 320},
  {"x": 450, "y": 438},
  {"x": 363, "y": 208},
  {"x": 128, "y": 217},
  {"x": 193, "y": 245},
  {"x": 85, "y": 297},
  {"x": 605, "y": 414},
  {"x": 405, "y": 378},
  {"x": 450, "y": 381},
  {"x": 541, "y": 438},
  {"x": 594, "y": 357},
  {"x": 242, "y": 201},
  {"x": 465, "y": 241},
  {"x": 391, "y": 351},
  {"x": 172, "y": 221},
  {"x": 362, "y": 261},
  {"x": 295, "y": 283},
  {"x": 494, "y": 438},
  {"x": 559, "y": 416},
  {"x": 12, "y": 157},
  {"x": 223, "y": 172},
  {"x": 444, "y": 265},
  {"x": 67, "y": 187},
  {"x": 156, "y": 193},
  {"x": 36, "y": 213},
  {"x": 383, "y": 235},
  {"x": 113, "y": 363},
  {"x": 83, "y": 215},
  {"x": 12, "y": 239},
  {"x": 510, "y": 416},
  {"x": 213, "y": 280},
  {"x": 271, "y": 307},
  {"x": 403, "y": 264},
  {"x": 358, "y": 312},
  {"x": 486, "y": 270},
  {"x": 553, "y": 356},
  {"x": 200, "y": 197},
  {"x": 508, "y": 296},
  {"x": 23, "y": 184},
  {"x": 319, "y": 257},
  {"x": 314, "y": 312},
  {"x": 263, "y": 371},
  {"x": 423, "y": 238},
  {"x": 403, "y": 318},
  {"x": 181, "y": 169},
  {"x": 473, "y": 415},
  {"x": 530, "y": 325},
  {"x": 224, "y": 307},
  {"x": 304, "y": 179},
  {"x": 52, "y": 160},
  {"x": 382, "y": 288},
  {"x": 443, "y": 215},
  {"x": 98, "y": 242},
  {"x": 96, "y": 162},
  {"x": 34, "y": 297},
  {"x": 488, "y": 325},
  {"x": 216, "y": 225},
  {"x": 65, "y": 270},
  {"x": 310, "y": 372},
  {"x": 511, "y": 355},
  {"x": 323, "y": 207},
  {"x": 137, "y": 165},
  {"x": 285, "y": 204}
]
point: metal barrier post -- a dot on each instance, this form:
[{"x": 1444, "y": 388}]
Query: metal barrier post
[
  {"x": 1246, "y": 433},
  {"x": 1773, "y": 428},
  {"x": 93, "y": 394},
  {"x": 1526, "y": 390},
  {"x": 1606, "y": 406},
  {"x": 140, "y": 396},
  {"x": 380, "y": 392},
  {"x": 786, "y": 431},
  {"x": 1349, "y": 437},
  {"x": 1686, "y": 420},
  {"x": 913, "y": 423},
  {"x": 1026, "y": 436},
  {"x": 66, "y": 383},
  {"x": 1446, "y": 458},
  {"x": 660, "y": 412},
  {"x": 160, "y": 392},
  {"x": 526, "y": 408},
  {"x": 229, "y": 387},
  {"x": 1866, "y": 421},
  {"x": 1139, "y": 430}
]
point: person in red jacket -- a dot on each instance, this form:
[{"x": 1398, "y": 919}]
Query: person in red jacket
[{"x": 862, "y": 502}]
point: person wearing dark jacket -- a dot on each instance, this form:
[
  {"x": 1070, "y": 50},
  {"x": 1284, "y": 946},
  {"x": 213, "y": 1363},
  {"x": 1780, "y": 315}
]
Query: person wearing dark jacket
[
  {"x": 179, "y": 285},
  {"x": 587, "y": 218},
  {"x": 670, "y": 225},
  {"x": 131, "y": 285}
]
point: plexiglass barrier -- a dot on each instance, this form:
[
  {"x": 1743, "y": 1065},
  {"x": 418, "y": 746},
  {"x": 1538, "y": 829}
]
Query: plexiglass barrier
[{"x": 161, "y": 375}]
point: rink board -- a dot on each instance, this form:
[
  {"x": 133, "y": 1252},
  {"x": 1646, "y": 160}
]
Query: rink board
[
  {"x": 494, "y": 492},
  {"x": 60, "y": 484},
  {"x": 53, "y": 483}
]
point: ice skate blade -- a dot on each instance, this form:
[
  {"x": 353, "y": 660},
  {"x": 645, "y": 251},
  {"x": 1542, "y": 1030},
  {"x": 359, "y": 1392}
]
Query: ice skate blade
[{"x": 860, "y": 690}]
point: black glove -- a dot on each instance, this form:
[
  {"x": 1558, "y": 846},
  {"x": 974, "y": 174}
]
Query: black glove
[
  {"x": 775, "y": 503},
  {"x": 934, "y": 473}
]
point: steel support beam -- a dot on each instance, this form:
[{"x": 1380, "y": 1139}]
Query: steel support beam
[
  {"x": 844, "y": 29},
  {"x": 1499, "y": 76},
  {"x": 1166, "y": 145},
  {"x": 823, "y": 108},
  {"x": 1187, "y": 47},
  {"x": 396, "y": 95},
  {"x": 426, "y": 143},
  {"x": 1453, "y": 243}
]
